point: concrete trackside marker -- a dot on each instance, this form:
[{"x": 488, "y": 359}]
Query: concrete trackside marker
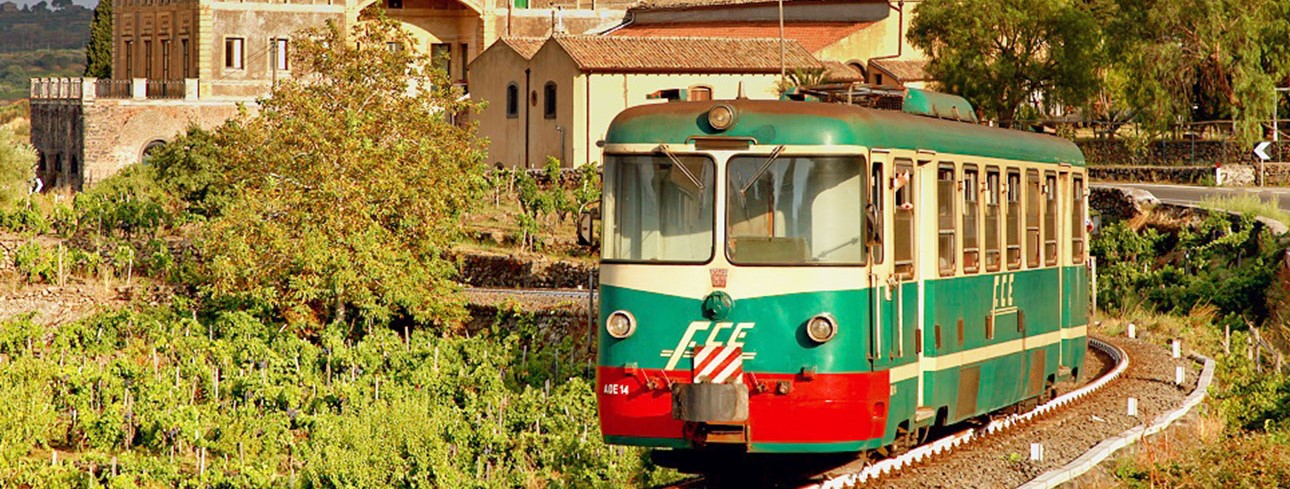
[
  {"x": 1133, "y": 331},
  {"x": 1179, "y": 375},
  {"x": 1036, "y": 452},
  {"x": 1133, "y": 406},
  {"x": 1177, "y": 348}
]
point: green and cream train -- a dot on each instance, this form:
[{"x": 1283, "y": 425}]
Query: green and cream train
[{"x": 795, "y": 276}]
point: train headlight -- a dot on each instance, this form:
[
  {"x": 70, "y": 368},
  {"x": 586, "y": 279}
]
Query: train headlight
[
  {"x": 822, "y": 328},
  {"x": 721, "y": 117},
  {"x": 620, "y": 324}
]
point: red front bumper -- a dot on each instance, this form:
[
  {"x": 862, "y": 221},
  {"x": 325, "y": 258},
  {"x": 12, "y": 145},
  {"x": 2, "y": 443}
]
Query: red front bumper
[{"x": 824, "y": 408}]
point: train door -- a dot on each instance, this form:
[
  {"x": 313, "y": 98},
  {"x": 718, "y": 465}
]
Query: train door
[{"x": 885, "y": 342}]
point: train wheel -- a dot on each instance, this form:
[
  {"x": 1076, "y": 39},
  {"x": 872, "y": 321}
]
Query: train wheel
[{"x": 906, "y": 440}]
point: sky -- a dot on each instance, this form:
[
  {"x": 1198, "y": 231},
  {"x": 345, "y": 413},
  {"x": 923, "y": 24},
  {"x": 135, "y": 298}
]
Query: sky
[{"x": 84, "y": 3}]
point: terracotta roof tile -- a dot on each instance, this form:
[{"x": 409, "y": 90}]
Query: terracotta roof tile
[
  {"x": 683, "y": 54},
  {"x": 836, "y": 71},
  {"x": 905, "y": 70},
  {"x": 813, "y": 36},
  {"x": 525, "y": 46}
]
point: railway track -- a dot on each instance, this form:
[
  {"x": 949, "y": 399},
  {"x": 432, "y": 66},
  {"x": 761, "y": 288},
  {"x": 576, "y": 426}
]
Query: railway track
[
  {"x": 850, "y": 476},
  {"x": 542, "y": 293}
]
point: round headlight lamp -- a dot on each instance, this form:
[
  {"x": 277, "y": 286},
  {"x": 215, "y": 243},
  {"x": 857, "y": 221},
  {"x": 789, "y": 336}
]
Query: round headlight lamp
[
  {"x": 721, "y": 117},
  {"x": 620, "y": 324},
  {"x": 822, "y": 328}
]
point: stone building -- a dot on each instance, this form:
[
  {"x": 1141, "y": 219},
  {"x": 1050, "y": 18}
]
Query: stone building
[
  {"x": 178, "y": 63},
  {"x": 556, "y": 97}
]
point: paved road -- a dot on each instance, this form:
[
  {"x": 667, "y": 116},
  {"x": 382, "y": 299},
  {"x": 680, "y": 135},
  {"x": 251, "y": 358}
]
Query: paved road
[{"x": 1187, "y": 194}]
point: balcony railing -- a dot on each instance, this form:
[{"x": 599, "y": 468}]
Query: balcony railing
[
  {"x": 104, "y": 88},
  {"x": 165, "y": 89}
]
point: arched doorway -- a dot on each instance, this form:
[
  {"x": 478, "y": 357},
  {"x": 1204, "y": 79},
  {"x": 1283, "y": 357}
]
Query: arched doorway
[{"x": 150, "y": 149}]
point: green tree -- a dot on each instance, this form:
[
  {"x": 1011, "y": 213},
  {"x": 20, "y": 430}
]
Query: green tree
[
  {"x": 16, "y": 167},
  {"x": 98, "y": 53},
  {"x": 1202, "y": 59},
  {"x": 351, "y": 183},
  {"x": 1004, "y": 54}
]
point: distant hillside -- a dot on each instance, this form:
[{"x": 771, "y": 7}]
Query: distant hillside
[
  {"x": 17, "y": 69},
  {"x": 41, "y": 28}
]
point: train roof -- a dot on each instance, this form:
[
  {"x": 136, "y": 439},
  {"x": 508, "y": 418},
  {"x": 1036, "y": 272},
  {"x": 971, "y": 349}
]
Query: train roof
[{"x": 819, "y": 123}]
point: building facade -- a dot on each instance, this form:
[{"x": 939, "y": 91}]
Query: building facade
[{"x": 180, "y": 63}]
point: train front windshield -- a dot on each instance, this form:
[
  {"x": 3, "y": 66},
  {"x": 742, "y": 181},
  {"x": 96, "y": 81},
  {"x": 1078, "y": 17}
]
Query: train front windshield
[
  {"x": 659, "y": 208},
  {"x": 779, "y": 210},
  {"x": 795, "y": 210}
]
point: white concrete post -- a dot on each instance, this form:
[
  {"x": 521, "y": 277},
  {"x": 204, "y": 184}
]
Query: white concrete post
[
  {"x": 191, "y": 89},
  {"x": 1037, "y": 452},
  {"x": 1133, "y": 406},
  {"x": 1177, "y": 348},
  {"x": 1133, "y": 331},
  {"x": 139, "y": 88},
  {"x": 1179, "y": 375},
  {"x": 88, "y": 91}
]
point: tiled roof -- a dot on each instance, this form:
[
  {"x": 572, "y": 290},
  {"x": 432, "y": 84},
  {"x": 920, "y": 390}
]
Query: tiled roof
[
  {"x": 683, "y": 54},
  {"x": 903, "y": 70},
  {"x": 671, "y": 4},
  {"x": 835, "y": 71},
  {"x": 813, "y": 36},
  {"x": 525, "y": 46}
]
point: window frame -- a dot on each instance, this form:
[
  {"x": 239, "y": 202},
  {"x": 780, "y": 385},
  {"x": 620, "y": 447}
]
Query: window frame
[
  {"x": 877, "y": 197},
  {"x": 1079, "y": 216},
  {"x": 993, "y": 205},
  {"x": 724, "y": 220},
  {"x": 971, "y": 201},
  {"x": 901, "y": 197},
  {"x": 279, "y": 49},
  {"x": 512, "y": 100},
  {"x": 550, "y": 100},
  {"x": 716, "y": 216},
  {"x": 947, "y": 266},
  {"x": 1033, "y": 198},
  {"x": 1052, "y": 224},
  {"x": 234, "y": 53},
  {"x": 1014, "y": 219}
]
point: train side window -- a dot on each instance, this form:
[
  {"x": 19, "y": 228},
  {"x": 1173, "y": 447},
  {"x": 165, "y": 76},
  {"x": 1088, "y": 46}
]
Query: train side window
[
  {"x": 903, "y": 241},
  {"x": 1014, "y": 219},
  {"x": 876, "y": 199},
  {"x": 1051, "y": 198},
  {"x": 945, "y": 183},
  {"x": 1077, "y": 220},
  {"x": 992, "y": 218},
  {"x": 1033, "y": 203},
  {"x": 971, "y": 209}
]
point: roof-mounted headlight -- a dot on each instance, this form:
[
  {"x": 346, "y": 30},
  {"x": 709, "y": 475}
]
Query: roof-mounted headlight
[{"x": 721, "y": 117}]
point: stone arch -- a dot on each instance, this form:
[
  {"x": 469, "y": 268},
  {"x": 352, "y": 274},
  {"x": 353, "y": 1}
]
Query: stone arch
[
  {"x": 859, "y": 66},
  {"x": 149, "y": 149}
]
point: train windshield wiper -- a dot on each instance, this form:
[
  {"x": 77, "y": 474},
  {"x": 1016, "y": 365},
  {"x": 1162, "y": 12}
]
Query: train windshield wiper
[
  {"x": 676, "y": 161},
  {"x": 774, "y": 155}
]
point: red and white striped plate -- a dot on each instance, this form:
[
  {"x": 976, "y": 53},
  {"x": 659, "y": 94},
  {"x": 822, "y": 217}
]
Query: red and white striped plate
[{"x": 718, "y": 364}]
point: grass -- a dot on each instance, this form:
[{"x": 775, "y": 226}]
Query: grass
[{"x": 1247, "y": 204}]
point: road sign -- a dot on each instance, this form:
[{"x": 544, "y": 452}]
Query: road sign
[{"x": 1258, "y": 150}]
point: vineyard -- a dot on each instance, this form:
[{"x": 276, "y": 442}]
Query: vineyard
[{"x": 154, "y": 398}]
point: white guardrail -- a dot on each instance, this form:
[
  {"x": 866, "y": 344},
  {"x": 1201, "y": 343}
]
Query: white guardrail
[{"x": 1108, "y": 447}]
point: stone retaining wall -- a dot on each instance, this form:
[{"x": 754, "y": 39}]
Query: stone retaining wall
[
  {"x": 1176, "y": 153},
  {"x": 510, "y": 271}
]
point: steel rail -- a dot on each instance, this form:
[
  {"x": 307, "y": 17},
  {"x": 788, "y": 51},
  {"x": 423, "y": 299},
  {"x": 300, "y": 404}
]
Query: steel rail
[{"x": 947, "y": 444}]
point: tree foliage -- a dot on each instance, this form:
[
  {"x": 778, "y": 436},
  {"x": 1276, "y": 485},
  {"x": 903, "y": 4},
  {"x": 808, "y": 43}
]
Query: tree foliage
[
  {"x": 1004, "y": 54},
  {"x": 1222, "y": 57},
  {"x": 17, "y": 160},
  {"x": 350, "y": 184},
  {"x": 98, "y": 53}
]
